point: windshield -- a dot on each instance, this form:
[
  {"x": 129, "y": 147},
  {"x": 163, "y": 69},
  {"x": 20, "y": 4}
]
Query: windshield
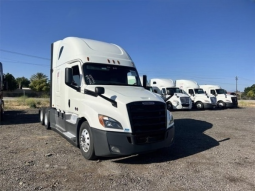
[
  {"x": 220, "y": 91},
  {"x": 172, "y": 91},
  {"x": 149, "y": 88},
  {"x": 199, "y": 91},
  {"x": 104, "y": 74}
]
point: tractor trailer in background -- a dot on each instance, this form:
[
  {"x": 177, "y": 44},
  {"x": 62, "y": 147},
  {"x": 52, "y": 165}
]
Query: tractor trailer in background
[
  {"x": 94, "y": 105},
  {"x": 223, "y": 100},
  {"x": 199, "y": 98},
  {"x": 174, "y": 97},
  {"x": 1, "y": 92}
]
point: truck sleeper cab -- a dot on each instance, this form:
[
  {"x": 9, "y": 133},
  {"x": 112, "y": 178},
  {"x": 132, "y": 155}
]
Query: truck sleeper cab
[
  {"x": 199, "y": 98},
  {"x": 173, "y": 96},
  {"x": 94, "y": 105},
  {"x": 224, "y": 100}
]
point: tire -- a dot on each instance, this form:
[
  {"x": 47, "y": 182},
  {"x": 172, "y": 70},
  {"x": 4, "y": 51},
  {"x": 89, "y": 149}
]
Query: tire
[
  {"x": 42, "y": 111},
  {"x": 169, "y": 106},
  {"x": 86, "y": 141},
  {"x": 221, "y": 104},
  {"x": 199, "y": 105},
  {"x": 46, "y": 119},
  {"x": 1, "y": 114},
  {"x": 2, "y": 111}
]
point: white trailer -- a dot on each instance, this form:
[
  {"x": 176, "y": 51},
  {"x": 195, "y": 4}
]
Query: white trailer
[
  {"x": 175, "y": 99},
  {"x": 199, "y": 98},
  {"x": 224, "y": 100},
  {"x": 1, "y": 92},
  {"x": 95, "y": 107}
]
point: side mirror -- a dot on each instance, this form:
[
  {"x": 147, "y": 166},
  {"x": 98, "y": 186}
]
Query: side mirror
[
  {"x": 99, "y": 90},
  {"x": 144, "y": 81},
  {"x": 68, "y": 76}
]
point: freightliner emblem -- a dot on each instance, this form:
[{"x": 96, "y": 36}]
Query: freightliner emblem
[{"x": 148, "y": 103}]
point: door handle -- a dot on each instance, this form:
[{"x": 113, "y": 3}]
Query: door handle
[{"x": 69, "y": 103}]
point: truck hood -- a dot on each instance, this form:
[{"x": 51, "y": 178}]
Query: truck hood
[{"x": 126, "y": 94}]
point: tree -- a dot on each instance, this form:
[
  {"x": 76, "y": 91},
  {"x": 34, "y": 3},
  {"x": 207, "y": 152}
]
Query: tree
[
  {"x": 248, "y": 91},
  {"x": 38, "y": 76},
  {"x": 39, "y": 82},
  {"x": 10, "y": 82},
  {"x": 251, "y": 94},
  {"x": 22, "y": 82}
]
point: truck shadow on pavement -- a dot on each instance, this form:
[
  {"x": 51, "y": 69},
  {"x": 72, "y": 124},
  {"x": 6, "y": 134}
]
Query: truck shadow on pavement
[
  {"x": 20, "y": 117},
  {"x": 189, "y": 140}
]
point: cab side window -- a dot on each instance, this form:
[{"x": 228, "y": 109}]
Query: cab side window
[
  {"x": 213, "y": 92},
  {"x": 191, "y": 91},
  {"x": 76, "y": 76}
]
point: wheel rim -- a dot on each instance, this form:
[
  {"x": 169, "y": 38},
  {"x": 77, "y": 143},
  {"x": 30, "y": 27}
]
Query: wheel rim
[
  {"x": 85, "y": 140},
  {"x": 46, "y": 119},
  {"x": 221, "y": 104},
  {"x": 199, "y": 105},
  {"x": 41, "y": 116}
]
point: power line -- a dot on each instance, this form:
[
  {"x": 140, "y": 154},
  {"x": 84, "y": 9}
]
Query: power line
[
  {"x": 13, "y": 61},
  {"x": 247, "y": 79},
  {"x": 24, "y": 54}
]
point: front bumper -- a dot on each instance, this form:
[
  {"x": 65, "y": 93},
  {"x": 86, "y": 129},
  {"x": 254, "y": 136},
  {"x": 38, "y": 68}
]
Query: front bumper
[
  {"x": 209, "y": 106},
  {"x": 229, "y": 105},
  {"x": 128, "y": 144}
]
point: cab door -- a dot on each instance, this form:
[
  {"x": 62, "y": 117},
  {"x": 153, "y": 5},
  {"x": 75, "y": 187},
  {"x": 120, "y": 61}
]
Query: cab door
[{"x": 73, "y": 96}]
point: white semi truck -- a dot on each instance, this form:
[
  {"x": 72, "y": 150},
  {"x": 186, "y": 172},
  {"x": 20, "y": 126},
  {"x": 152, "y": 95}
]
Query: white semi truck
[
  {"x": 223, "y": 100},
  {"x": 95, "y": 108},
  {"x": 199, "y": 98},
  {"x": 175, "y": 99},
  {"x": 1, "y": 92}
]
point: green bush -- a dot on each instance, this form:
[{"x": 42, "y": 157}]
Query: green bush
[
  {"x": 22, "y": 100},
  {"x": 30, "y": 102}
]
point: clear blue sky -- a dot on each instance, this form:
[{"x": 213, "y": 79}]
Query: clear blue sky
[{"x": 209, "y": 41}]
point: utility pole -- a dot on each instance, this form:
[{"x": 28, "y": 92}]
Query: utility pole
[{"x": 236, "y": 84}]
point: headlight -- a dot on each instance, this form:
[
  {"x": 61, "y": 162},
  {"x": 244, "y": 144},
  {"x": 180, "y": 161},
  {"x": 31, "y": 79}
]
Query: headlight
[
  {"x": 108, "y": 122},
  {"x": 176, "y": 102},
  {"x": 170, "y": 119}
]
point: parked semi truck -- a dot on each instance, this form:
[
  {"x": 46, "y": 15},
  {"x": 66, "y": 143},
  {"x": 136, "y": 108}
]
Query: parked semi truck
[
  {"x": 224, "y": 100},
  {"x": 94, "y": 106},
  {"x": 199, "y": 98},
  {"x": 174, "y": 97},
  {"x": 1, "y": 92}
]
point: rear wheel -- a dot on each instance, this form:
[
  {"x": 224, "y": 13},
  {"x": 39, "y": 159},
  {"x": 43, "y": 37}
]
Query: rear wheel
[
  {"x": 42, "y": 111},
  {"x": 46, "y": 119},
  {"x": 199, "y": 105},
  {"x": 1, "y": 114},
  {"x": 86, "y": 142}
]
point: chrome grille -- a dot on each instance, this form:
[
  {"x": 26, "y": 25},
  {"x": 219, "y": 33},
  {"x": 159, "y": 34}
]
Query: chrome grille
[
  {"x": 185, "y": 101},
  {"x": 213, "y": 100},
  {"x": 146, "y": 118}
]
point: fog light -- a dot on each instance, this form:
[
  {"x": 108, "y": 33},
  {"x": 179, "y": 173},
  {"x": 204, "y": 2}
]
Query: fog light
[{"x": 115, "y": 149}]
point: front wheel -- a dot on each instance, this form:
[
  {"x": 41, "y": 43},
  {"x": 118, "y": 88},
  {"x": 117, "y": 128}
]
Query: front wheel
[
  {"x": 86, "y": 142},
  {"x": 199, "y": 105},
  {"x": 221, "y": 104},
  {"x": 169, "y": 106}
]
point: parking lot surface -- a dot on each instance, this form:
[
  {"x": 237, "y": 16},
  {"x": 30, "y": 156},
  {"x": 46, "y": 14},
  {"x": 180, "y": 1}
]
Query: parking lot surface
[{"x": 213, "y": 150}]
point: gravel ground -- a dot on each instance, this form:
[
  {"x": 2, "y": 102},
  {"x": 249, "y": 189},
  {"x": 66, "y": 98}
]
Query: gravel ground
[{"x": 213, "y": 150}]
